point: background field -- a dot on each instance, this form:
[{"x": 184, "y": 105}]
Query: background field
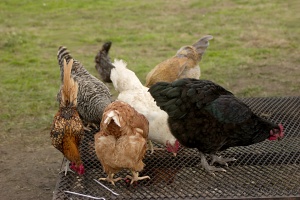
[{"x": 255, "y": 52}]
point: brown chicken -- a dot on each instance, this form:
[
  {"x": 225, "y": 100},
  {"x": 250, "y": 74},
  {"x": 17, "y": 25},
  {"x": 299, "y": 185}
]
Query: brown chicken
[
  {"x": 122, "y": 141},
  {"x": 67, "y": 128},
  {"x": 185, "y": 64}
]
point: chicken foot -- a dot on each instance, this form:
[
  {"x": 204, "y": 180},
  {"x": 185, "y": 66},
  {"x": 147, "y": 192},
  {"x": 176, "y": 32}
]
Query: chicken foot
[
  {"x": 110, "y": 178},
  {"x": 151, "y": 148},
  {"x": 209, "y": 168},
  {"x": 135, "y": 177},
  {"x": 220, "y": 160},
  {"x": 89, "y": 126},
  {"x": 67, "y": 168}
]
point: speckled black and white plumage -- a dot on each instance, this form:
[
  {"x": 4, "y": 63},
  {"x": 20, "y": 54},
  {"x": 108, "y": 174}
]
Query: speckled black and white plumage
[{"x": 93, "y": 95}]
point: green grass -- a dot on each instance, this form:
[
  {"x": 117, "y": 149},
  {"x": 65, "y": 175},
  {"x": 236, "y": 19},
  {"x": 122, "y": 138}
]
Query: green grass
[{"x": 255, "y": 50}]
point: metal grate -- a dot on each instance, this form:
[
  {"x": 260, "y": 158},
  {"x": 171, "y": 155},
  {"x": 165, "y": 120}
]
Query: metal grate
[{"x": 265, "y": 170}]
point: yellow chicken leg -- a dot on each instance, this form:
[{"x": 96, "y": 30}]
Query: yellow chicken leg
[
  {"x": 152, "y": 148},
  {"x": 110, "y": 178},
  {"x": 135, "y": 177}
]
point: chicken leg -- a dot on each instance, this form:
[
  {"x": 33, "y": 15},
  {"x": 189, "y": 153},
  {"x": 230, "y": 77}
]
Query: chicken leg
[
  {"x": 220, "y": 160},
  {"x": 209, "y": 168},
  {"x": 67, "y": 168},
  {"x": 152, "y": 148},
  {"x": 110, "y": 178},
  {"x": 90, "y": 126},
  {"x": 135, "y": 177}
]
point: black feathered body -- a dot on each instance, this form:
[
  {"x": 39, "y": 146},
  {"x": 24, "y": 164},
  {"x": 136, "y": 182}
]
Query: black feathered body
[
  {"x": 206, "y": 116},
  {"x": 93, "y": 95}
]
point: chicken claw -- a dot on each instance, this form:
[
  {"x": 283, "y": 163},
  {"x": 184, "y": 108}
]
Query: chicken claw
[
  {"x": 220, "y": 160},
  {"x": 67, "y": 168},
  {"x": 110, "y": 178},
  {"x": 135, "y": 177},
  {"x": 90, "y": 126},
  {"x": 152, "y": 148},
  {"x": 209, "y": 168}
]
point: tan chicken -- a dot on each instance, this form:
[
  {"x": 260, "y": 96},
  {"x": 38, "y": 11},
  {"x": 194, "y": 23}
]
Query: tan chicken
[
  {"x": 122, "y": 141},
  {"x": 185, "y": 64},
  {"x": 67, "y": 128}
]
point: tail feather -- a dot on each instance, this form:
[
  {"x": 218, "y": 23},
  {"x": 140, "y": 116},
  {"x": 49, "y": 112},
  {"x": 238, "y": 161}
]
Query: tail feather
[
  {"x": 202, "y": 44},
  {"x": 63, "y": 54},
  {"x": 112, "y": 115},
  {"x": 70, "y": 87},
  {"x": 103, "y": 63}
]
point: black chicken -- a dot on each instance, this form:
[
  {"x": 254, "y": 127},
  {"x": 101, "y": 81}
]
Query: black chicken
[
  {"x": 206, "y": 116},
  {"x": 103, "y": 62}
]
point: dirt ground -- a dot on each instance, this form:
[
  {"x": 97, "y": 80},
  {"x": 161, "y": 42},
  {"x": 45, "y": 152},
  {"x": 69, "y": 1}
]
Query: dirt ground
[{"x": 29, "y": 172}]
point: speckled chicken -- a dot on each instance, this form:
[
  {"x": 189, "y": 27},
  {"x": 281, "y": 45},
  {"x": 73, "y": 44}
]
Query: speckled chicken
[
  {"x": 132, "y": 91},
  {"x": 93, "y": 95},
  {"x": 185, "y": 64},
  {"x": 121, "y": 142},
  {"x": 206, "y": 116},
  {"x": 103, "y": 62},
  {"x": 67, "y": 128}
]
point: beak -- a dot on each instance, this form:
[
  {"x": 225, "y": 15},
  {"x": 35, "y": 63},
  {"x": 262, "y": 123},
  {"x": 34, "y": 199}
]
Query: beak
[{"x": 175, "y": 154}]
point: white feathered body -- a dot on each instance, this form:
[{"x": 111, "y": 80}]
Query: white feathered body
[{"x": 135, "y": 94}]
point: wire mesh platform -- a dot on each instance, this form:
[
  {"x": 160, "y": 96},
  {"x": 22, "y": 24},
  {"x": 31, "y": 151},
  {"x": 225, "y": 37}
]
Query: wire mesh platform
[{"x": 268, "y": 170}]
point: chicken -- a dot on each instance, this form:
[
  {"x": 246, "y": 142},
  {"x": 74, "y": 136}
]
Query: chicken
[
  {"x": 132, "y": 91},
  {"x": 185, "y": 64},
  {"x": 121, "y": 142},
  {"x": 103, "y": 62},
  {"x": 67, "y": 128},
  {"x": 206, "y": 116},
  {"x": 93, "y": 95}
]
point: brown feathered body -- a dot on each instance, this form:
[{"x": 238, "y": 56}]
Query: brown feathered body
[
  {"x": 121, "y": 141},
  {"x": 67, "y": 128},
  {"x": 185, "y": 64}
]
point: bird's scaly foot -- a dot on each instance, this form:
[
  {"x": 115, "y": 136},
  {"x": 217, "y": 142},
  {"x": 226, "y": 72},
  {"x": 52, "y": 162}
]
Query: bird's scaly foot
[
  {"x": 209, "y": 168},
  {"x": 67, "y": 168},
  {"x": 151, "y": 148},
  {"x": 220, "y": 160},
  {"x": 135, "y": 177},
  {"x": 90, "y": 126},
  {"x": 110, "y": 178}
]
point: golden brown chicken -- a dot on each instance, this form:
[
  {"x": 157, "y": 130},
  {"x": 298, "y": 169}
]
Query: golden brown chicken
[
  {"x": 122, "y": 141},
  {"x": 183, "y": 65},
  {"x": 67, "y": 128}
]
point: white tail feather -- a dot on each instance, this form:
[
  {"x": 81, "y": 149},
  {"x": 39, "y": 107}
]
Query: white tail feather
[{"x": 112, "y": 115}]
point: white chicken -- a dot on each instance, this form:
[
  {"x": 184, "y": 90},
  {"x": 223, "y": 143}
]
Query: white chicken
[{"x": 132, "y": 91}]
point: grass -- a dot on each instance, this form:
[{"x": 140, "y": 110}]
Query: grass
[{"x": 255, "y": 50}]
